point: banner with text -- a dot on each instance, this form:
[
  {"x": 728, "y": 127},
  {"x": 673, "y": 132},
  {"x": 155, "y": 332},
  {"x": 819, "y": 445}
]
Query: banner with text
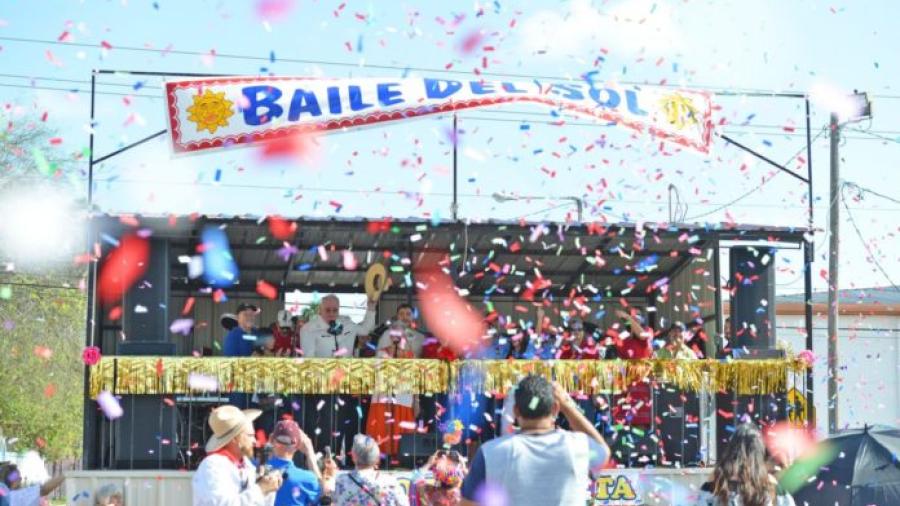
[{"x": 220, "y": 112}]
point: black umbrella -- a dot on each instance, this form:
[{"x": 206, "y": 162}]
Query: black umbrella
[{"x": 865, "y": 470}]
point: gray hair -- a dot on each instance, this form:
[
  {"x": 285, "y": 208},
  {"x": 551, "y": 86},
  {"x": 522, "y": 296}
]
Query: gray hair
[
  {"x": 365, "y": 451},
  {"x": 332, "y": 297},
  {"x": 107, "y": 492}
]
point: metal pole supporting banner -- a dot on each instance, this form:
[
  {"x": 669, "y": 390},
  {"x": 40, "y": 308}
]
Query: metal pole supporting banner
[
  {"x": 808, "y": 256},
  {"x": 454, "y": 208},
  {"x": 833, "y": 280},
  {"x": 91, "y": 444}
]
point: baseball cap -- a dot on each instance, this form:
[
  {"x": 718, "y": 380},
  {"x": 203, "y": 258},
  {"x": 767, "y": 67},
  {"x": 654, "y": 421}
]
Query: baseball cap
[
  {"x": 286, "y": 432},
  {"x": 243, "y": 306}
]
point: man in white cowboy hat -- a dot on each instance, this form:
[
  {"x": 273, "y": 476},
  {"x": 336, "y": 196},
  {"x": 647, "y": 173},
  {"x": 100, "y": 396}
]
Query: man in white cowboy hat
[{"x": 226, "y": 477}]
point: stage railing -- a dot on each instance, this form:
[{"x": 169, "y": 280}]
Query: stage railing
[{"x": 691, "y": 405}]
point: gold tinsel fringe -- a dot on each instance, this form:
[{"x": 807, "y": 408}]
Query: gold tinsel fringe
[{"x": 171, "y": 375}]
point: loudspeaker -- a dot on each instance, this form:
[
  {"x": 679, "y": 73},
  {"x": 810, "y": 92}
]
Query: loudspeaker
[
  {"x": 679, "y": 426},
  {"x": 732, "y": 409},
  {"x": 753, "y": 297},
  {"x": 146, "y": 315},
  {"x": 145, "y": 437},
  {"x": 146, "y": 434},
  {"x": 416, "y": 448}
]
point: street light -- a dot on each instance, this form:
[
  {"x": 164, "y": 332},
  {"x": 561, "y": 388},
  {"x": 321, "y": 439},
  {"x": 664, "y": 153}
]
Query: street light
[
  {"x": 850, "y": 108},
  {"x": 579, "y": 205}
]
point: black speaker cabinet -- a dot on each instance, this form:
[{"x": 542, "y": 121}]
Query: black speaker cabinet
[
  {"x": 145, "y": 437},
  {"x": 753, "y": 301}
]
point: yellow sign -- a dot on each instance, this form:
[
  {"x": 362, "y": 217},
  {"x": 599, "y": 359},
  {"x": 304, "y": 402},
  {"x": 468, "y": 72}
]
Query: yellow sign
[
  {"x": 797, "y": 407},
  {"x": 616, "y": 489}
]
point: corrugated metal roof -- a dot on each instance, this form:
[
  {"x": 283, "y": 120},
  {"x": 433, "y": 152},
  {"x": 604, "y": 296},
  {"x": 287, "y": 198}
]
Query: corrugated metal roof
[
  {"x": 486, "y": 257},
  {"x": 886, "y": 295}
]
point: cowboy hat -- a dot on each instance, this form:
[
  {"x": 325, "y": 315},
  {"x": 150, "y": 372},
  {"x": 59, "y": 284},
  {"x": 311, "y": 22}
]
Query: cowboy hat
[
  {"x": 376, "y": 281},
  {"x": 226, "y": 423}
]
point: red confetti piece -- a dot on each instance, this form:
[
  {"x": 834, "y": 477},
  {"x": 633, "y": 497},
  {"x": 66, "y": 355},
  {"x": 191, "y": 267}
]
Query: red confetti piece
[
  {"x": 43, "y": 352},
  {"x": 105, "y": 45},
  {"x": 470, "y": 42},
  {"x": 122, "y": 268},
  {"x": 282, "y": 229},
  {"x": 266, "y": 289},
  {"x": 115, "y": 313},
  {"x": 188, "y": 306},
  {"x": 50, "y": 390},
  {"x": 445, "y": 312}
]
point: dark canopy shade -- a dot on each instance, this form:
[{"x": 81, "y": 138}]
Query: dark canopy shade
[
  {"x": 487, "y": 257},
  {"x": 865, "y": 471}
]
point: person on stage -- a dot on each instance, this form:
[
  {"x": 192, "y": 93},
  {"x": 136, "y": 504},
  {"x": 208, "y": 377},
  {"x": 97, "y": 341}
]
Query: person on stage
[
  {"x": 391, "y": 416},
  {"x": 328, "y": 419}
]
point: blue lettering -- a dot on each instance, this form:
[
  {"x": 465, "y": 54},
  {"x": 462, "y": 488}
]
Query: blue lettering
[
  {"x": 482, "y": 88},
  {"x": 511, "y": 88},
  {"x": 611, "y": 102},
  {"x": 573, "y": 91},
  {"x": 631, "y": 99},
  {"x": 387, "y": 96},
  {"x": 334, "y": 100},
  {"x": 434, "y": 88},
  {"x": 269, "y": 96},
  {"x": 356, "y": 101},
  {"x": 304, "y": 101}
]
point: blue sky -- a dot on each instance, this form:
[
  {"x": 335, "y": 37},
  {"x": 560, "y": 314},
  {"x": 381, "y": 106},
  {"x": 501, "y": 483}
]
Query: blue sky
[{"x": 404, "y": 170}]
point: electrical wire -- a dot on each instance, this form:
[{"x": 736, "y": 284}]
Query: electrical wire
[
  {"x": 873, "y": 192},
  {"x": 765, "y": 181},
  {"x": 863, "y": 240}
]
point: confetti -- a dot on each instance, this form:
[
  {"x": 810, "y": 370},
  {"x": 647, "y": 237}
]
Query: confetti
[{"x": 109, "y": 405}]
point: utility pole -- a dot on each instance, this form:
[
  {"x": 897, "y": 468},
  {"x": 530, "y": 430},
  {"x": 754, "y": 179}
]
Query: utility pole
[{"x": 833, "y": 287}]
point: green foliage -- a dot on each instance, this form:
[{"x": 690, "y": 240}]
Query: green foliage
[{"x": 42, "y": 329}]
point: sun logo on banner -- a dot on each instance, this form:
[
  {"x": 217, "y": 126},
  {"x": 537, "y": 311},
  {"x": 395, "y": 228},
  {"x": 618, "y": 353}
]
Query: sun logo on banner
[
  {"x": 210, "y": 111},
  {"x": 679, "y": 109}
]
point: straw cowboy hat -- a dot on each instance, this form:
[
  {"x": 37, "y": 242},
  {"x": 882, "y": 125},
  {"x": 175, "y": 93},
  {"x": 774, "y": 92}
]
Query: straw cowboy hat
[
  {"x": 227, "y": 422},
  {"x": 377, "y": 281}
]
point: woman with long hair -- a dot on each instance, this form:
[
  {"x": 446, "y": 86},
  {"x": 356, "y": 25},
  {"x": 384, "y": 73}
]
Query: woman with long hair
[{"x": 741, "y": 476}]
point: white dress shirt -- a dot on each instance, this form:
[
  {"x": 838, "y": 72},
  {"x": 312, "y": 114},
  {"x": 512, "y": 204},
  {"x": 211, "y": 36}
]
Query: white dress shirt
[
  {"x": 412, "y": 340},
  {"x": 316, "y": 342},
  {"x": 219, "y": 482}
]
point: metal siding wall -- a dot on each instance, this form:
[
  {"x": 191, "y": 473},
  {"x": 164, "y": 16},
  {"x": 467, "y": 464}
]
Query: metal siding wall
[{"x": 689, "y": 288}]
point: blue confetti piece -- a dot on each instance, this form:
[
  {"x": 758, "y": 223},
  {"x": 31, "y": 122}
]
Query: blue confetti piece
[
  {"x": 110, "y": 240},
  {"x": 767, "y": 143},
  {"x": 138, "y": 85},
  {"x": 271, "y": 56},
  {"x": 524, "y": 127},
  {"x": 304, "y": 267},
  {"x": 359, "y": 44},
  {"x": 156, "y": 5},
  {"x": 218, "y": 176},
  {"x": 359, "y": 412}
]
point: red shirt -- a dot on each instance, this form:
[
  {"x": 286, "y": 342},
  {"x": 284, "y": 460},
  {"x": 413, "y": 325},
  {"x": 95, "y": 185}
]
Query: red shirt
[
  {"x": 434, "y": 349},
  {"x": 634, "y": 348}
]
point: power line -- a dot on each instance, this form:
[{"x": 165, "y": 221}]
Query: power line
[
  {"x": 166, "y": 51},
  {"x": 863, "y": 240},
  {"x": 873, "y": 192},
  {"x": 70, "y": 90}
]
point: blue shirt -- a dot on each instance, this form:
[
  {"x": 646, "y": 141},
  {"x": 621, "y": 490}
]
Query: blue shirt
[
  {"x": 300, "y": 487},
  {"x": 236, "y": 346}
]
